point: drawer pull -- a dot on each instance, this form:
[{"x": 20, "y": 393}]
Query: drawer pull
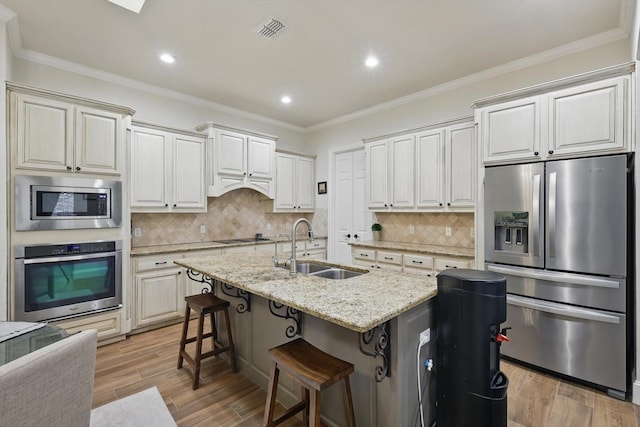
[
  {"x": 416, "y": 262},
  {"x": 364, "y": 255},
  {"x": 161, "y": 263},
  {"x": 389, "y": 258},
  {"x": 451, "y": 266}
]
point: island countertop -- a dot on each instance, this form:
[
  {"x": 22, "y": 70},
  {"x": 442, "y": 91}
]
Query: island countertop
[{"x": 358, "y": 303}]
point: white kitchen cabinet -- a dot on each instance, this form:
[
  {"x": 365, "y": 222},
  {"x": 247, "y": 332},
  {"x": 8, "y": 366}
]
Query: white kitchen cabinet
[
  {"x": 406, "y": 261},
  {"x": 428, "y": 170},
  {"x": 54, "y": 132},
  {"x": 239, "y": 159},
  {"x": 159, "y": 290},
  {"x": 382, "y": 259},
  {"x": 167, "y": 171},
  {"x": 418, "y": 264},
  {"x": 295, "y": 183},
  {"x": 588, "y": 118},
  {"x": 390, "y": 166},
  {"x": 574, "y": 121},
  {"x": 460, "y": 177},
  {"x": 441, "y": 264}
]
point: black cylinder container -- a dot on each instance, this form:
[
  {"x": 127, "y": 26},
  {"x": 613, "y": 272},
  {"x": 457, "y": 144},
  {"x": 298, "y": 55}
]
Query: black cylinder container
[{"x": 470, "y": 388}]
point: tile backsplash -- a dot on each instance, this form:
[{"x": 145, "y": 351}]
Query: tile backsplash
[
  {"x": 429, "y": 228},
  {"x": 237, "y": 214}
]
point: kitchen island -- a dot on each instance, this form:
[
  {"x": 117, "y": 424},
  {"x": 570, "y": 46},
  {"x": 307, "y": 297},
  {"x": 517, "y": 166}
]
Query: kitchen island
[{"x": 373, "y": 321}]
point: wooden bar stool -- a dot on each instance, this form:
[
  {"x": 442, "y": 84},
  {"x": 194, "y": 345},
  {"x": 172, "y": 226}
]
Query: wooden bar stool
[
  {"x": 204, "y": 304},
  {"x": 315, "y": 370}
]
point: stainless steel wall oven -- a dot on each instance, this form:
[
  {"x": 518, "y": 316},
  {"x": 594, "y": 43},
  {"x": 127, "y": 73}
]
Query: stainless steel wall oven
[{"x": 66, "y": 280}]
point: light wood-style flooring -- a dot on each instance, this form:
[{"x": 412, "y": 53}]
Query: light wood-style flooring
[{"x": 226, "y": 399}]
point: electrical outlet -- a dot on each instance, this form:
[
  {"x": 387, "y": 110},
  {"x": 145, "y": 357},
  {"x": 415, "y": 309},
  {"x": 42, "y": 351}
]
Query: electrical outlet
[
  {"x": 412, "y": 229},
  {"x": 137, "y": 232},
  {"x": 203, "y": 229},
  {"x": 425, "y": 336},
  {"x": 447, "y": 231},
  {"x": 268, "y": 226}
]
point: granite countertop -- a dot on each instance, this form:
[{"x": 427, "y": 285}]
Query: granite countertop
[
  {"x": 358, "y": 303},
  {"x": 416, "y": 247},
  {"x": 200, "y": 246}
]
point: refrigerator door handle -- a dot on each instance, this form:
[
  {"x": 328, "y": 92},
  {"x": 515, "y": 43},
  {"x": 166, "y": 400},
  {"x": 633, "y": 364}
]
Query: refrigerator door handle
[
  {"x": 535, "y": 220},
  {"x": 552, "y": 213},
  {"x": 561, "y": 310},
  {"x": 555, "y": 277}
]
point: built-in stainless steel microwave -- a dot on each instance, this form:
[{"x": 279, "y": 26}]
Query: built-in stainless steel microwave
[{"x": 61, "y": 203}]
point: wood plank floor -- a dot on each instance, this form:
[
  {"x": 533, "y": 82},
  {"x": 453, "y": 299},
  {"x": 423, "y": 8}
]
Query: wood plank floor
[{"x": 225, "y": 399}]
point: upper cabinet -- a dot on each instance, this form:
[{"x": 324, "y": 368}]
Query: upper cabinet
[
  {"x": 295, "y": 183},
  {"x": 574, "y": 120},
  {"x": 56, "y": 132},
  {"x": 167, "y": 170},
  {"x": 423, "y": 170},
  {"x": 239, "y": 159}
]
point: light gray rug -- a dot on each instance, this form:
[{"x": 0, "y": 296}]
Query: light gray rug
[{"x": 145, "y": 408}]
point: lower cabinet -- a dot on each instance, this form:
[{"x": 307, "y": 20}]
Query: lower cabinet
[
  {"x": 407, "y": 262},
  {"x": 108, "y": 325},
  {"x": 159, "y": 290}
]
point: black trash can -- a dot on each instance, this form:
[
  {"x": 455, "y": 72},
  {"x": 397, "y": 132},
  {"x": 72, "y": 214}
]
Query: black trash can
[{"x": 470, "y": 388}]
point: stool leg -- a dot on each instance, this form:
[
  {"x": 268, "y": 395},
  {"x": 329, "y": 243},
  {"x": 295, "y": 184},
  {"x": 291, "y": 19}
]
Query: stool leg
[
  {"x": 196, "y": 373},
  {"x": 305, "y": 410},
  {"x": 214, "y": 331},
  {"x": 348, "y": 403},
  {"x": 232, "y": 349},
  {"x": 314, "y": 411},
  {"x": 267, "y": 421},
  {"x": 183, "y": 338}
]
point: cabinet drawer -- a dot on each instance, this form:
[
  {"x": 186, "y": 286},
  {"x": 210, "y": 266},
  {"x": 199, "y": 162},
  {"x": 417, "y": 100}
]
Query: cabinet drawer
[
  {"x": 364, "y": 254},
  {"x": 156, "y": 262},
  {"x": 418, "y": 261},
  {"x": 444, "y": 263},
  {"x": 389, "y": 257},
  {"x": 316, "y": 244}
]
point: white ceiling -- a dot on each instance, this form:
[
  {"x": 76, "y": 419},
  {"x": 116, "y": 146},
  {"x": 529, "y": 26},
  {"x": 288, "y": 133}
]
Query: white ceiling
[{"x": 318, "y": 60}]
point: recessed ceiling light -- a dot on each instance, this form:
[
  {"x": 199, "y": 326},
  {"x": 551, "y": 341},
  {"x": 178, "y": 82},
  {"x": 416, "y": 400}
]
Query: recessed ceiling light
[
  {"x": 169, "y": 59},
  {"x": 286, "y": 99},
  {"x": 371, "y": 62}
]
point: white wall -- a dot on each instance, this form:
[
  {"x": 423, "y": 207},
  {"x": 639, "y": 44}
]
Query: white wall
[
  {"x": 150, "y": 107},
  {"x": 456, "y": 102},
  {"x": 5, "y": 74}
]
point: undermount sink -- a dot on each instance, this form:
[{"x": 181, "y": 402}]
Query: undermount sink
[{"x": 328, "y": 272}]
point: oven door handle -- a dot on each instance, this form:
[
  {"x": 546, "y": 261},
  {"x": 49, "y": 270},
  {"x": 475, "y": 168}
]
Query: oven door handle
[
  {"x": 562, "y": 310},
  {"x": 69, "y": 258}
]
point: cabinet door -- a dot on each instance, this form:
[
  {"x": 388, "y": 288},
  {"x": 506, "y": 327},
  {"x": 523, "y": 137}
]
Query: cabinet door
[
  {"x": 44, "y": 132},
  {"x": 377, "y": 171},
  {"x": 149, "y": 169},
  {"x": 260, "y": 161},
  {"x": 402, "y": 175},
  {"x": 460, "y": 166},
  {"x": 96, "y": 141},
  {"x": 285, "y": 182},
  {"x": 188, "y": 173},
  {"x": 430, "y": 169},
  {"x": 232, "y": 153},
  {"x": 511, "y": 130},
  {"x": 159, "y": 296},
  {"x": 589, "y": 117},
  {"x": 305, "y": 183}
]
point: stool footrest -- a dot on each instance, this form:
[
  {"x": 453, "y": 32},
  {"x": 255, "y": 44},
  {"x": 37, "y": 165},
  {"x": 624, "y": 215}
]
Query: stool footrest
[
  {"x": 193, "y": 339},
  {"x": 289, "y": 413}
]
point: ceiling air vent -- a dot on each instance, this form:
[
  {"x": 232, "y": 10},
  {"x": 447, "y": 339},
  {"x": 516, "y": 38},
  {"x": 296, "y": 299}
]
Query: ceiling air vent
[{"x": 270, "y": 28}]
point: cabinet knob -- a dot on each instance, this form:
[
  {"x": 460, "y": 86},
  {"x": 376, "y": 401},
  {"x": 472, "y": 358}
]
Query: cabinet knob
[
  {"x": 166, "y": 205},
  {"x": 355, "y": 236},
  {"x": 179, "y": 272},
  {"x": 348, "y": 236},
  {"x": 245, "y": 174},
  {"x": 385, "y": 205},
  {"x": 535, "y": 153},
  {"x": 77, "y": 168},
  {"x": 440, "y": 204},
  {"x": 250, "y": 174},
  {"x": 391, "y": 205},
  {"x": 448, "y": 204},
  {"x": 175, "y": 205},
  {"x": 550, "y": 151},
  {"x": 69, "y": 168}
]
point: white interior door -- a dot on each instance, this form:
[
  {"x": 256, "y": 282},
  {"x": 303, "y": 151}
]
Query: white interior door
[{"x": 351, "y": 217}]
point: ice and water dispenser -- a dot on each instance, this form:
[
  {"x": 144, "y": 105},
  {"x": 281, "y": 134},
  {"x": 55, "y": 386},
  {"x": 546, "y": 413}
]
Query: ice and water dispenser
[
  {"x": 470, "y": 388},
  {"x": 511, "y": 231}
]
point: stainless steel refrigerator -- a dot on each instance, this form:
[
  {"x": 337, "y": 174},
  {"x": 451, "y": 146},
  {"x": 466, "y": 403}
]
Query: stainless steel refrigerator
[{"x": 560, "y": 232}]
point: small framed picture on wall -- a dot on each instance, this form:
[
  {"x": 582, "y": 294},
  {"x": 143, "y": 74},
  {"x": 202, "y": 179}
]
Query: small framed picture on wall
[{"x": 322, "y": 187}]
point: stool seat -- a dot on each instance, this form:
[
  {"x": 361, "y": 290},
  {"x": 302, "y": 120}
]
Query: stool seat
[
  {"x": 315, "y": 371},
  {"x": 205, "y": 304}
]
